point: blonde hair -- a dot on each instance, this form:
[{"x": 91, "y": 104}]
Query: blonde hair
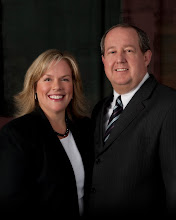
[{"x": 25, "y": 100}]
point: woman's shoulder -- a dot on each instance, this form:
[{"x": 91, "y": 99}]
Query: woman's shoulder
[
  {"x": 18, "y": 121},
  {"x": 22, "y": 124}
]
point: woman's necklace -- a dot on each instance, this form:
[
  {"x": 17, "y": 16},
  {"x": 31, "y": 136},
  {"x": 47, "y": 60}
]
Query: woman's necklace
[
  {"x": 66, "y": 133},
  {"x": 63, "y": 135}
]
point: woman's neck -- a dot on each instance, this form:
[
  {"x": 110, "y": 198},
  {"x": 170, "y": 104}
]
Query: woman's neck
[{"x": 58, "y": 122}]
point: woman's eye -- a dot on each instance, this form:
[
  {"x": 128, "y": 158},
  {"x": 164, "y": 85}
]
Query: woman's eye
[
  {"x": 65, "y": 79},
  {"x": 47, "y": 79}
]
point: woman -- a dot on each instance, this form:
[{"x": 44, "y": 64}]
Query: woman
[{"x": 45, "y": 152}]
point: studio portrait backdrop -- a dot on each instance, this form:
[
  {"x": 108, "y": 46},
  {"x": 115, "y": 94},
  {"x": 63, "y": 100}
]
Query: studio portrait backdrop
[
  {"x": 31, "y": 27},
  {"x": 28, "y": 28}
]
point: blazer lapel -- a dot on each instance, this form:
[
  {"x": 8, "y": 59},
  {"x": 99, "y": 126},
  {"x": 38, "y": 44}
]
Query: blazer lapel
[
  {"x": 99, "y": 128},
  {"x": 132, "y": 110}
]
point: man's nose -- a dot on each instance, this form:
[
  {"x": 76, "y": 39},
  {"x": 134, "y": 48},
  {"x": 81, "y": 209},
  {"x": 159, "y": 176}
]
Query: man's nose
[{"x": 120, "y": 57}]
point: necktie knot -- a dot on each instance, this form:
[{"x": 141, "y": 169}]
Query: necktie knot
[{"x": 115, "y": 115}]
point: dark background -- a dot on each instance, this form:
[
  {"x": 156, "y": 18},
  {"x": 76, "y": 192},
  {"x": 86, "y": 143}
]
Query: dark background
[{"x": 28, "y": 28}]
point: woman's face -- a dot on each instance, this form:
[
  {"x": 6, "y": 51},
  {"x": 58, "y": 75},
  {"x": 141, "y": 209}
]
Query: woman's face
[{"x": 55, "y": 88}]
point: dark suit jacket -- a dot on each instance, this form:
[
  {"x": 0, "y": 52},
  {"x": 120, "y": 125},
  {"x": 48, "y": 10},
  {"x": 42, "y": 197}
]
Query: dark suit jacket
[
  {"x": 135, "y": 171},
  {"x": 35, "y": 172}
]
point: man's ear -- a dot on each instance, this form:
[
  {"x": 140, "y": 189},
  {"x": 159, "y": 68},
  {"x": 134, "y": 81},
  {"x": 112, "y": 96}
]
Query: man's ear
[{"x": 147, "y": 57}]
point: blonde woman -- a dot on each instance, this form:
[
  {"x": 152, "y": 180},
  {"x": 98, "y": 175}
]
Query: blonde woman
[{"x": 45, "y": 152}]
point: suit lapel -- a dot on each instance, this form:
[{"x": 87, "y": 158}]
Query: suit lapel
[
  {"x": 99, "y": 128},
  {"x": 132, "y": 110},
  {"x": 127, "y": 116}
]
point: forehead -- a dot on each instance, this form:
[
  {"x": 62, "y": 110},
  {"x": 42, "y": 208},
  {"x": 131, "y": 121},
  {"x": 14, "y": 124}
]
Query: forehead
[
  {"x": 59, "y": 66},
  {"x": 122, "y": 35}
]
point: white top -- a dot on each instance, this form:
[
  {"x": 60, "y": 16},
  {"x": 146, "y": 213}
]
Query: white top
[
  {"x": 77, "y": 164},
  {"x": 125, "y": 100}
]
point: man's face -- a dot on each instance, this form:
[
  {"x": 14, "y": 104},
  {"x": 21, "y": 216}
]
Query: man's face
[{"x": 124, "y": 63}]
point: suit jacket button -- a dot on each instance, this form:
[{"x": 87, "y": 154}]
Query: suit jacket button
[
  {"x": 98, "y": 160},
  {"x": 93, "y": 190}
]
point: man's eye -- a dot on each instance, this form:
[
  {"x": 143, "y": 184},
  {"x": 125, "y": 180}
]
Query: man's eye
[
  {"x": 111, "y": 52},
  {"x": 129, "y": 50}
]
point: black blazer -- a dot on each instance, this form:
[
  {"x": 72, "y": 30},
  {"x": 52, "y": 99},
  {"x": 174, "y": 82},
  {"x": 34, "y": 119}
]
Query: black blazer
[
  {"x": 135, "y": 171},
  {"x": 35, "y": 172}
]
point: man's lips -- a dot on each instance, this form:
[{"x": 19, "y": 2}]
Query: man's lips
[{"x": 121, "y": 69}]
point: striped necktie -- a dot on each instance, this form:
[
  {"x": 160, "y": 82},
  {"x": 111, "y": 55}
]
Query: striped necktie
[{"x": 115, "y": 115}]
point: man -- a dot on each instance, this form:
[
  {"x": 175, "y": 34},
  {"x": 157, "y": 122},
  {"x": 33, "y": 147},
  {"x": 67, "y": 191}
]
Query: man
[{"x": 134, "y": 173}]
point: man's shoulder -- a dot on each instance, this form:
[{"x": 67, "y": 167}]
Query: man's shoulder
[
  {"x": 166, "y": 91},
  {"x": 161, "y": 86}
]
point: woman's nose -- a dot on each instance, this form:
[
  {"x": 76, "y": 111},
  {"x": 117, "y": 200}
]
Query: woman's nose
[{"x": 57, "y": 85}]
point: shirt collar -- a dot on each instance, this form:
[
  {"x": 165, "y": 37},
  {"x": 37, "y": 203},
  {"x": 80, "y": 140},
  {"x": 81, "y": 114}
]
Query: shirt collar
[{"x": 127, "y": 96}]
